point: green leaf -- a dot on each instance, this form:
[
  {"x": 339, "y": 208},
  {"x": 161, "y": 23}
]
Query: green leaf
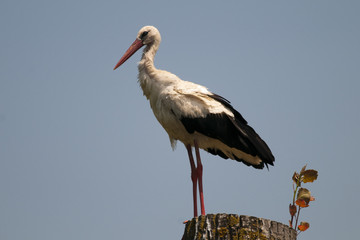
[
  {"x": 302, "y": 170},
  {"x": 295, "y": 177},
  {"x": 310, "y": 175},
  {"x": 304, "y": 194}
]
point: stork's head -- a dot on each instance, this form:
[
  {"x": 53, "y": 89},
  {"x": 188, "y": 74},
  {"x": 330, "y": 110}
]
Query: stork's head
[{"x": 147, "y": 35}]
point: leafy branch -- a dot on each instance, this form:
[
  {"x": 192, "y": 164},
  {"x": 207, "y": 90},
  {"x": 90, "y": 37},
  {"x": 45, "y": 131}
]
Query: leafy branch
[{"x": 301, "y": 197}]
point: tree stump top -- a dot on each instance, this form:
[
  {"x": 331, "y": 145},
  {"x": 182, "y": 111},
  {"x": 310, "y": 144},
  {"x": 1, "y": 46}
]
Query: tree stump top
[{"x": 232, "y": 226}]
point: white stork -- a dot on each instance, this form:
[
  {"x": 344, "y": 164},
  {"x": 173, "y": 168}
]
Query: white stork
[{"x": 195, "y": 116}]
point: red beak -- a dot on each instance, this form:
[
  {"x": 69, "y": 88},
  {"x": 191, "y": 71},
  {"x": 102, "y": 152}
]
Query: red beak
[{"x": 136, "y": 45}]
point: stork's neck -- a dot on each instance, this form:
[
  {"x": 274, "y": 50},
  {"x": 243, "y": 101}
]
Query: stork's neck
[
  {"x": 147, "y": 70},
  {"x": 146, "y": 64}
]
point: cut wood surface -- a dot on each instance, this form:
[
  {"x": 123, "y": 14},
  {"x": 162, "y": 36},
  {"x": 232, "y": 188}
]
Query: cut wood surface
[{"x": 232, "y": 226}]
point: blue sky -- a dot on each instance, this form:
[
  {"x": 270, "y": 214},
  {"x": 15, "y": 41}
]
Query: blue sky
[{"x": 83, "y": 157}]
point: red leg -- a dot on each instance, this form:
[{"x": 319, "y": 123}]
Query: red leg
[
  {"x": 194, "y": 177},
  {"x": 199, "y": 171}
]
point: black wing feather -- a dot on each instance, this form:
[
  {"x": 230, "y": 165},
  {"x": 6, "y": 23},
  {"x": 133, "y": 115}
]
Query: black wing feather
[{"x": 234, "y": 132}]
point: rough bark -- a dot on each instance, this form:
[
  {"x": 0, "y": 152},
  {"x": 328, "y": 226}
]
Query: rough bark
[{"x": 232, "y": 226}]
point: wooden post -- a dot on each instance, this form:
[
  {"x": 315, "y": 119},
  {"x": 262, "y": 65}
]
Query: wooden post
[{"x": 232, "y": 226}]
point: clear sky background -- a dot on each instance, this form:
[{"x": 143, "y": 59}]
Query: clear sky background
[{"x": 83, "y": 157}]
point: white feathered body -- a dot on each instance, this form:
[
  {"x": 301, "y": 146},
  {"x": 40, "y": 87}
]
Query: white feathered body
[{"x": 172, "y": 99}]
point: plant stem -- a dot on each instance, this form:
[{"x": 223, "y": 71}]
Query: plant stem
[
  {"x": 297, "y": 186},
  {"x": 297, "y": 218}
]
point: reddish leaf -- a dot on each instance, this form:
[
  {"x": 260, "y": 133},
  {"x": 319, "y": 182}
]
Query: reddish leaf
[
  {"x": 301, "y": 203},
  {"x": 312, "y": 198},
  {"x": 292, "y": 210},
  {"x": 303, "y": 226}
]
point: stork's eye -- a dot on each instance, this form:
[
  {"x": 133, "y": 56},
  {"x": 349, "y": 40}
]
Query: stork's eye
[{"x": 144, "y": 34}]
